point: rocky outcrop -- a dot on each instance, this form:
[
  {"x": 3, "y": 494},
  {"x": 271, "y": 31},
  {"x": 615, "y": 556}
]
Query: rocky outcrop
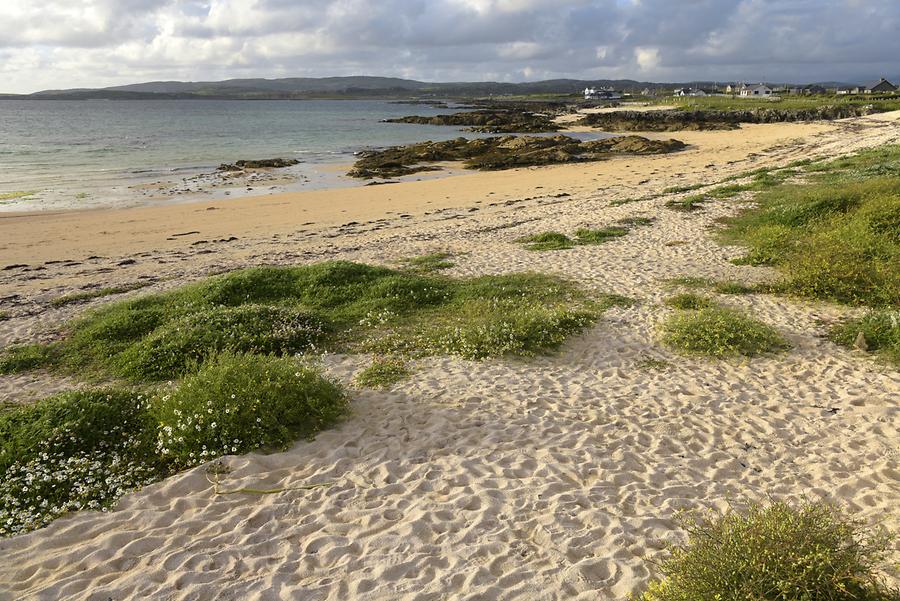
[
  {"x": 258, "y": 164},
  {"x": 488, "y": 121},
  {"x": 501, "y": 152},
  {"x": 675, "y": 120}
]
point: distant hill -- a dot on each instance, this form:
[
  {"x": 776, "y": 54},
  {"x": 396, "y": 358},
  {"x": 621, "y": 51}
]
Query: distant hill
[{"x": 347, "y": 87}]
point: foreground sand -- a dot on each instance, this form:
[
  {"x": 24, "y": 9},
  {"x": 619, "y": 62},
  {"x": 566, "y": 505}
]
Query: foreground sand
[{"x": 551, "y": 478}]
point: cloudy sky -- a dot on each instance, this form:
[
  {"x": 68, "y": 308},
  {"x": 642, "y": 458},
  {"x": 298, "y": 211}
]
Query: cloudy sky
[{"x": 92, "y": 43}]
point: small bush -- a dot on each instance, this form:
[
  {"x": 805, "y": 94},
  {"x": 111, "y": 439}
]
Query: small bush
[
  {"x": 26, "y": 357},
  {"x": 76, "y": 450},
  {"x": 547, "y": 241},
  {"x": 689, "y": 302},
  {"x": 776, "y": 553},
  {"x": 383, "y": 373},
  {"x": 587, "y": 236},
  {"x": 880, "y": 330},
  {"x": 238, "y": 403},
  {"x": 720, "y": 332}
]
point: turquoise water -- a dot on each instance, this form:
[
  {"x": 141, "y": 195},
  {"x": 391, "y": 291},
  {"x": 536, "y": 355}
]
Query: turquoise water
[{"x": 87, "y": 154}]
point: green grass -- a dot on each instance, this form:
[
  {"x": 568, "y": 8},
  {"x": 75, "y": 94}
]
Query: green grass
[
  {"x": 332, "y": 306},
  {"x": 836, "y": 241},
  {"x": 429, "y": 263},
  {"x": 26, "y": 357},
  {"x": 778, "y": 552},
  {"x": 689, "y": 301},
  {"x": 686, "y": 204},
  {"x": 545, "y": 241},
  {"x": 732, "y": 287},
  {"x": 238, "y": 403},
  {"x": 786, "y": 102},
  {"x": 637, "y": 221},
  {"x": 689, "y": 282},
  {"x": 720, "y": 332},
  {"x": 586, "y": 236},
  {"x": 880, "y": 331},
  {"x": 683, "y": 189},
  {"x": 383, "y": 372},
  {"x": 92, "y": 294}
]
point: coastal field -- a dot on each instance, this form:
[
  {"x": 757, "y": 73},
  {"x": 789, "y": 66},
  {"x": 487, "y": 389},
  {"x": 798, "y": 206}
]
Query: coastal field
[{"x": 692, "y": 361}]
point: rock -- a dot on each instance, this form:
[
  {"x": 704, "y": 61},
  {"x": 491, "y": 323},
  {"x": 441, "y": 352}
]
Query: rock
[
  {"x": 860, "y": 342},
  {"x": 258, "y": 164},
  {"x": 489, "y": 121}
]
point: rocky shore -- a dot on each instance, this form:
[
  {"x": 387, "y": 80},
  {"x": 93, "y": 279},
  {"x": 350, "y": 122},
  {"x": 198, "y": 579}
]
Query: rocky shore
[
  {"x": 489, "y": 121},
  {"x": 676, "y": 120},
  {"x": 501, "y": 152}
]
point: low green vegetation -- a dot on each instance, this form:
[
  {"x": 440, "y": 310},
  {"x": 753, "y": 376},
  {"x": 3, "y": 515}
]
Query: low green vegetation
[
  {"x": 4, "y": 315},
  {"x": 682, "y": 189},
  {"x": 689, "y": 301},
  {"x": 778, "y": 552},
  {"x": 26, "y": 357},
  {"x": 383, "y": 372},
  {"x": 85, "y": 449},
  {"x": 732, "y": 287},
  {"x": 637, "y": 221},
  {"x": 686, "y": 204},
  {"x": 687, "y": 281},
  {"x": 92, "y": 294},
  {"x": 545, "y": 241},
  {"x": 878, "y": 331},
  {"x": 429, "y": 263},
  {"x": 730, "y": 103},
  {"x": 331, "y": 306},
  {"x": 720, "y": 332},
  {"x": 835, "y": 240}
]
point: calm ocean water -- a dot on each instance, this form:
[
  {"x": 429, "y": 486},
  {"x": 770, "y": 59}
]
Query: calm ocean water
[{"x": 85, "y": 154}]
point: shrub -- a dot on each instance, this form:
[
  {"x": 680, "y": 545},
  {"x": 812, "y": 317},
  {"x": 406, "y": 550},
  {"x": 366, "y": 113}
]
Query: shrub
[
  {"x": 547, "y": 241},
  {"x": 76, "y": 450},
  {"x": 26, "y": 357},
  {"x": 731, "y": 287},
  {"x": 237, "y": 403},
  {"x": 880, "y": 330},
  {"x": 775, "y": 553},
  {"x": 689, "y": 302},
  {"x": 720, "y": 332},
  {"x": 175, "y": 348},
  {"x": 383, "y": 373}
]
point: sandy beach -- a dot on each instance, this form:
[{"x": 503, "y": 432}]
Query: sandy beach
[{"x": 540, "y": 479}]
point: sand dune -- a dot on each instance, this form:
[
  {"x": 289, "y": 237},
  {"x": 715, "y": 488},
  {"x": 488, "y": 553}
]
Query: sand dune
[{"x": 551, "y": 478}]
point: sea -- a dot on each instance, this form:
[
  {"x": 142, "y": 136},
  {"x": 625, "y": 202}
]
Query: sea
[{"x": 66, "y": 154}]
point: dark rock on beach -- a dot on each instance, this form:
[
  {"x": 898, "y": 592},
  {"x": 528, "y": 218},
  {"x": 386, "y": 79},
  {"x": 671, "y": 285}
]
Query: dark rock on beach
[
  {"x": 501, "y": 152},
  {"x": 258, "y": 164},
  {"x": 488, "y": 121}
]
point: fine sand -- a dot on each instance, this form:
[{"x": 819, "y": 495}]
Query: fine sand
[{"x": 550, "y": 478}]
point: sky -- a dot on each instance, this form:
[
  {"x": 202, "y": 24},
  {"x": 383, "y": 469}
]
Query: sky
[{"x": 54, "y": 44}]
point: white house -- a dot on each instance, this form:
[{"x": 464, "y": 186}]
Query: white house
[
  {"x": 690, "y": 92},
  {"x": 601, "y": 94},
  {"x": 756, "y": 91}
]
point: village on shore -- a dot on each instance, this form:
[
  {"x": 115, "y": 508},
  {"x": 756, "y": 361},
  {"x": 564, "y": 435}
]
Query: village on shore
[{"x": 747, "y": 90}]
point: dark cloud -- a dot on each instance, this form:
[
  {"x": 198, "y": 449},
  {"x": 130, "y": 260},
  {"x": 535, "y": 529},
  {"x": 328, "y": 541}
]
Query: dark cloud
[{"x": 69, "y": 43}]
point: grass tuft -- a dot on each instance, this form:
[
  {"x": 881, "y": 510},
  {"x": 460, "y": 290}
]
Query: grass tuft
[
  {"x": 777, "y": 552},
  {"x": 637, "y": 221},
  {"x": 26, "y": 357},
  {"x": 587, "y": 236},
  {"x": 689, "y": 301},
  {"x": 383, "y": 372},
  {"x": 547, "y": 241},
  {"x": 92, "y": 294},
  {"x": 720, "y": 332},
  {"x": 429, "y": 263},
  {"x": 878, "y": 331},
  {"x": 687, "y": 204}
]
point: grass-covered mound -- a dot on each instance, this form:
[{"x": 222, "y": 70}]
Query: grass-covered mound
[
  {"x": 837, "y": 240},
  {"x": 26, "y": 357},
  {"x": 334, "y": 306},
  {"x": 544, "y": 241},
  {"x": 238, "y": 403},
  {"x": 688, "y": 301},
  {"x": 720, "y": 332},
  {"x": 85, "y": 449},
  {"x": 811, "y": 552},
  {"x": 877, "y": 331}
]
